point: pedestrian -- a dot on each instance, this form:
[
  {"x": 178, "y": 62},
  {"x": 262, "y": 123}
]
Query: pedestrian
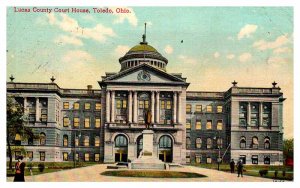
[
  {"x": 232, "y": 164},
  {"x": 240, "y": 168},
  {"x": 20, "y": 169}
]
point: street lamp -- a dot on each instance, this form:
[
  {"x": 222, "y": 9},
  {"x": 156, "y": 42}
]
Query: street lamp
[
  {"x": 219, "y": 149},
  {"x": 74, "y": 157}
]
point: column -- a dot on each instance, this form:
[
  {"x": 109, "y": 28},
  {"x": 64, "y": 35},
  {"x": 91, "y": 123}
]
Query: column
[
  {"x": 179, "y": 108},
  {"x": 130, "y": 107},
  {"x": 261, "y": 113},
  {"x": 107, "y": 106},
  {"x": 135, "y": 110},
  {"x": 37, "y": 109},
  {"x": 249, "y": 114},
  {"x": 157, "y": 107},
  {"x": 175, "y": 107},
  {"x": 112, "y": 106},
  {"x": 152, "y": 106},
  {"x": 25, "y": 105}
]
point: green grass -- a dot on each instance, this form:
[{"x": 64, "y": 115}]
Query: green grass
[
  {"x": 49, "y": 167},
  {"x": 152, "y": 174},
  {"x": 253, "y": 170}
]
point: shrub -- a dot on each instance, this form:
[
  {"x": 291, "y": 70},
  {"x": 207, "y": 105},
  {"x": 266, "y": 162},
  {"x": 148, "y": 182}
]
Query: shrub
[
  {"x": 263, "y": 172},
  {"x": 283, "y": 173},
  {"x": 41, "y": 167}
]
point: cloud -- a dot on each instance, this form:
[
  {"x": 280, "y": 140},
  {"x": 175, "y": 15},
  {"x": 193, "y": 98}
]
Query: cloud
[
  {"x": 121, "y": 50},
  {"x": 99, "y": 33},
  {"x": 277, "y": 61},
  {"x": 130, "y": 17},
  {"x": 64, "y": 39},
  {"x": 77, "y": 56},
  {"x": 230, "y": 56},
  {"x": 264, "y": 45},
  {"x": 246, "y": 31},
  {"x": 168, "y": 49},
  {"x": 245, "y": 57},
  {"x": 216, "y": 54},
  {"x": 282, "y": 50},
  {"x": 187, "y": 60}
]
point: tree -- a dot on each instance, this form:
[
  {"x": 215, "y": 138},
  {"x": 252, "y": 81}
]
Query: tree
[
  {"x": 15, "y": 125},
  {"x": 288, "y": 148}
]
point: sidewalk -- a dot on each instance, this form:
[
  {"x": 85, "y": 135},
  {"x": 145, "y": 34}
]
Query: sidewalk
[{"x": 92, "y": 174}]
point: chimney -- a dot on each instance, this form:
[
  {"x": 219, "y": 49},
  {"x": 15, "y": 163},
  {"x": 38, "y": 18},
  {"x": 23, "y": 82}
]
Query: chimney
[{"x": 89, "y": 89}]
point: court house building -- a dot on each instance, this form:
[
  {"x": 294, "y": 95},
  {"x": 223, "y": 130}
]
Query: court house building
[{"x": 106, "y": 124}]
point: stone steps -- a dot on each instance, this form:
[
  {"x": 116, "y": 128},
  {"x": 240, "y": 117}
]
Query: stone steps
[{"x": 154, "y": 166}]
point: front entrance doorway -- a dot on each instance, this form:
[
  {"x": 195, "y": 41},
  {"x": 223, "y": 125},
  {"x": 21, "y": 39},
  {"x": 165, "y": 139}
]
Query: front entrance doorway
[
  {"x": 121, "y": 148},
  {"x": 165, "y": 153}
]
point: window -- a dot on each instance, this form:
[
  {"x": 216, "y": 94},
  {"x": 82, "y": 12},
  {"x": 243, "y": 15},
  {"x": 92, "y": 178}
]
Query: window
[
  {"x": 208, "y": 108},
  {"x": 66, "y": 121},
  {"x": 267, "y": 143},
  {"x": 243, "y": 114},
  {"x": 208, "y": 124},
  {"x": 121, "y": 141},
  {"x": 98, "y": 106},
  {"x": 188, "y": 108},
  {"x": 198, "y": 142},
  {"x": 266, "y": 114},
  {"x": 198, "y": 108},
  {"x": 42, "y": 139},
  {"x": 209, "y": 143},
  {"x": 30, "y": 154},
  {"x": 255, "y": 142},
  {"x": 198, "y": 159},
  {"x": 254, "y": 159},
  {"x": 188, "y": 159},
  {"x": 76, "y": 141},
  {"x": 65, "y": 140},
  {"x": 86, "y": 122},
  {"x": 267, "y": 160},
  {"x": 198, "y": 125},
  {"x": 243, "y": 142},
  {"x": 219, "y": 125},
  {"x": 65, "y": 156},
  {"x": 243, "y": 158},
  {"x": 76, "y": 122},
  {"x": 97, "y": 157},
  {"x": 66, "y": 105},
  {"x": 254, "y": 114},
  {"x": 87, "y": 106},
  {"x": 169, "y": 104},
  {"x": 219, "y": 109},
  {"x": 44, "y": 118},
  {"x": 86, "y": 141},
  {"x": 97, "y": 141},
  {"x": 97, "y": 122},
  {"x": 76, "y": 105},
  {"x": 17, "y": 154},
  {"x": 208, "y": 160},
  {"x": 188, "y": 143},
  {"x": 164, "y": 142},
  {"x": 220, "y": 143},
  {"x": 42, "y": 156},
  {"x": 188, "y": 125},
  {"x": 86, "y": 157}
]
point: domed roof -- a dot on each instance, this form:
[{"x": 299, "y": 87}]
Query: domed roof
[{"x": 143, "y": 47}]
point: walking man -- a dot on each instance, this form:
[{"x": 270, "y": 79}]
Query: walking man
[
  {"x": 232, "y": 164},
  {"x": 240, "y": 168}
]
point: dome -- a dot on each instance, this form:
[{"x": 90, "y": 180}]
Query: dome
[{"x": 143, "y": 47}]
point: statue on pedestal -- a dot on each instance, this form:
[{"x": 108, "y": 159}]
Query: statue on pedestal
[{"x": 147, "y": 119}]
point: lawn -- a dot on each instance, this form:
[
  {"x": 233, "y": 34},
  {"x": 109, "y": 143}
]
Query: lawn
[
  {"x": 152, "y": 174},
  {"x": 253, "y": 170},
  {"x": 49, "y": 167}
]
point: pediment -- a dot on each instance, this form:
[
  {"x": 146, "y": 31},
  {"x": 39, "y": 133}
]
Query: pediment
[{"x": 144, "y": 73}]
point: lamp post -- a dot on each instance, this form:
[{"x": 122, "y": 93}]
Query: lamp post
[
  {"x": 219, "y": 149},
  {"x": 74, "y": 157}
]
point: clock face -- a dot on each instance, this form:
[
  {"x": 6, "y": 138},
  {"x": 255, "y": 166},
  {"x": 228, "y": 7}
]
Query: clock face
[{"x": 144, "y": 76}]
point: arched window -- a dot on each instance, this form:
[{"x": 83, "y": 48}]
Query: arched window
[
  {"x": 254, "y": 142},
  {"x": 209, "y": 143},
  {"x": 243, "y": 142},
  {"x": 42, "y": 139},
  {"x": 188, "y": 142},
  {"x": 65, "y": 140},
  {"x": 267, "y": 143},
  {"x": 18, "y": 139},
  {"x": 165, "y": 142},
  {"x": 86, "y": 141},
  {"x": 97, "y": 141},
  {"x": 198, "y": 142},
  {"x": 121, "y": 141}
]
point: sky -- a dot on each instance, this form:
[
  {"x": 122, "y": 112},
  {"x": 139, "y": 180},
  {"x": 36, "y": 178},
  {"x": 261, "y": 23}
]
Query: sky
[{"x": 252, "y": 45}]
